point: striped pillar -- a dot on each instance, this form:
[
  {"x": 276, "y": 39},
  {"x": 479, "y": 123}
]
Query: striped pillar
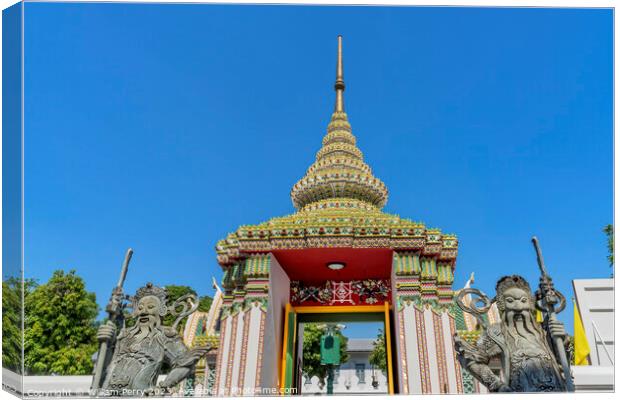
[
  {"x": 240, "y": 367},
  {"x": 426, "y": 358},
  {"x": 223, "y": 355}
]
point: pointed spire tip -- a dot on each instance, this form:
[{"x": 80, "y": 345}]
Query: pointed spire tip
[{"x": 339, "y": 85}]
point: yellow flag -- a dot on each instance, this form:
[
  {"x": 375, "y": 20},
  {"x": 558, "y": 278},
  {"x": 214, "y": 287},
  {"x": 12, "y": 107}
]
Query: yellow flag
[
  {"x": 582, "y": 349},
  {"x": 539, "y": 316}
]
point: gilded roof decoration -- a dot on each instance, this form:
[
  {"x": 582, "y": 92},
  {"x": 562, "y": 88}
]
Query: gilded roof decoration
[
  {"x": 338, "y": 204},
  {"x": 339, "y": 171},
  {"x": 337, "y": 223}
]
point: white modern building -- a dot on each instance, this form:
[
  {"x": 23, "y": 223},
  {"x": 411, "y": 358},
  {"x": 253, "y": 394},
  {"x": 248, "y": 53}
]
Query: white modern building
[
  {"x": 594, "y": 299},
  {"x": 356, "y": 376}
]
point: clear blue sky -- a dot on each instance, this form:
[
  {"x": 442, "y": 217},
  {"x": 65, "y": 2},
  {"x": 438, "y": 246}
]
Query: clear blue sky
[{"x": 164, "y": 127}]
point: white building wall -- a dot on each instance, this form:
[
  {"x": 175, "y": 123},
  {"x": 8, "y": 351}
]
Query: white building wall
[
  {"x": 234, "y": 383},
  {"x": 224, "y": 353},
  {"x": 432, "y": 351},
  {"x": 588, "y": 378},
  {"x": 595, "y": 300},
  {"x": 412, "y": 351},
  {"x": 254, "y": 334},
  {"x": 279, "y": 294},
  {"x": 346, "y": 379},
  {"x": 450, "y": 353}
]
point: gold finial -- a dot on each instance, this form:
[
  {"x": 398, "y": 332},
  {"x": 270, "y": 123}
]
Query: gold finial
[{"x": 339, "y": 85}]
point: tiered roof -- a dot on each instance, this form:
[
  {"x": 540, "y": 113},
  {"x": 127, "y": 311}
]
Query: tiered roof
[{"x": 338, "y": 203}]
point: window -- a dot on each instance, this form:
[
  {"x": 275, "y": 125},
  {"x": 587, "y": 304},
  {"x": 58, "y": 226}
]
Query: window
[{"x": 360, "y": 372}]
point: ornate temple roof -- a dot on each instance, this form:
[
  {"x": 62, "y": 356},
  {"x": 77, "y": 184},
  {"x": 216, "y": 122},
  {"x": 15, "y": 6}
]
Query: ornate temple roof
[
  {"x": 338, "y": 204},
  {"x": 339, "y": 171}
]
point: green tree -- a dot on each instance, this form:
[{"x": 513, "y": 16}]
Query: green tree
[
  {"x": 60, "y": 335},
  {"x": 312, "y": 351},
  {"x": 609, "y": 231},
  {"x": 378, "y": 355},
  {"x": 11, "y": 325},
  {"x": 205, "y": 303},
  {"x": 12, "y": 321},
  {"x": 175, "y": 292}
]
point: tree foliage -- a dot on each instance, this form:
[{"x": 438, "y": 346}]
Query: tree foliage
[
  {"x": 205, "y": 303},
  {"x": 175, "y": 292},
  {"x": 60, "y": 326},
  {"x": 12, "y": 321},
  {"x": 60, "y": 335},
  {"x": 378, "y": 355},
  {"x": 312, "y": 351},
  {"x": 11, "y": 325},
  {"x": 609, "y": 231}
]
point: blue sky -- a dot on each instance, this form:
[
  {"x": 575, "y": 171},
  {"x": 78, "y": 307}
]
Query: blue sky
[{"x": 164, "y": 127}]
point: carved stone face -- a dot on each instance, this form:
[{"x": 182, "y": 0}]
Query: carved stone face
[
  {"x": 517, "y": 314},
  {"x": 518, "y": 300},
  {"x": 148, "y": 310}
]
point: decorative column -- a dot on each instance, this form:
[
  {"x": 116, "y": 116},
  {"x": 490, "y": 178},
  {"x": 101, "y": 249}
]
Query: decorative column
[
  {"x": 428, "y": 279},
  {"x": 426, "y": 358},
  {"x": 256, "y": 272},
  {"x": 226, "y": 331},
  {"x": 247, "y": 361},
  {"x": 405, "y": 289},
  {"x": 445, "y": 278}
]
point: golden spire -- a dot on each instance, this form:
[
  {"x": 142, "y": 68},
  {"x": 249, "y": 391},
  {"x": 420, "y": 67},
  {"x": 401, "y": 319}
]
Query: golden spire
[
  {"x": 339, "y": 85},
  {"x": 339, "y": 172}
]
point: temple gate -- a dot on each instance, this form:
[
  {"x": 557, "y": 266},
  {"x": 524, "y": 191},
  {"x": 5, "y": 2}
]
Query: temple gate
[{"x": 339, "y": 254}]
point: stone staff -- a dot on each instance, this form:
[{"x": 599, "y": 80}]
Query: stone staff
[
  {"x": 115, "y": 312},
  {"x": 547, "y": 299}
]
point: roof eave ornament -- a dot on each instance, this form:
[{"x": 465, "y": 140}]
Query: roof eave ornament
[{"x": 339, "y": 85}]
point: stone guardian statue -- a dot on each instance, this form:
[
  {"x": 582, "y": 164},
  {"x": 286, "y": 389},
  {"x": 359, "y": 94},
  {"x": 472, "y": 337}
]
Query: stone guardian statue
[
  {"x": 140, "y": 350},
  {"x": 529, "y": 362}
]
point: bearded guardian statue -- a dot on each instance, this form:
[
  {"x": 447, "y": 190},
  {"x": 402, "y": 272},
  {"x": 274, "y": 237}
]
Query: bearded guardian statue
[
  {"x": 528, "y": 361},
  {"x": 139, "y": 352}
]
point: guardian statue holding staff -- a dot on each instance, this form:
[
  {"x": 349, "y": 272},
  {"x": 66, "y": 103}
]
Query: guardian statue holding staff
[
  {"x": 140, "y": 351},
  {"x": 533, "y": 355}
]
